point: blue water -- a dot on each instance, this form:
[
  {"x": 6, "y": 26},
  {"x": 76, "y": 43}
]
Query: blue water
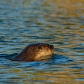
[{"x": 23, "y": 22}]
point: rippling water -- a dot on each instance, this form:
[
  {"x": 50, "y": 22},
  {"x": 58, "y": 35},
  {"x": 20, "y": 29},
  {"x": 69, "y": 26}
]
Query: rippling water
[{"x": 57, "y": 22}]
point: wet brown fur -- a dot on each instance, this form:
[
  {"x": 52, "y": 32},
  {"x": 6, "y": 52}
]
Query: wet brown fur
[{"x": 34, "y": 51}]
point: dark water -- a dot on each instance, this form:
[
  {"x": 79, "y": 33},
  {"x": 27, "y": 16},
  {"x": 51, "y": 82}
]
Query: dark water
[{"x": 31, "y": 21}]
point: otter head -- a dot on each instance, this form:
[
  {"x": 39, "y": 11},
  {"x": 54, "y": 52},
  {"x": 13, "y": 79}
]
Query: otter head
[
  {"x": 35, "y": 52},
  {"x": 44, "y": 51}
]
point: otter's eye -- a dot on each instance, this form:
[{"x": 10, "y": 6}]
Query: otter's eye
[
  {"x": 39, "y": 47},
  {"x": 47, "y": 45}
]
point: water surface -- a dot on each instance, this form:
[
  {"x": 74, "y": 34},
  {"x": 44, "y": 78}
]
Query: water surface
[{"x": 57, "y": 22}]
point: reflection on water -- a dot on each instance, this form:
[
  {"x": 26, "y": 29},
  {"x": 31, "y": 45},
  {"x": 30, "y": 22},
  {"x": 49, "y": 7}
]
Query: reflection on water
[{"x": 57, "y": 22}]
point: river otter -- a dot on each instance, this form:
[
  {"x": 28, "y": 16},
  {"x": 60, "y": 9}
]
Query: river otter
[{"x": 35, "y": 52}]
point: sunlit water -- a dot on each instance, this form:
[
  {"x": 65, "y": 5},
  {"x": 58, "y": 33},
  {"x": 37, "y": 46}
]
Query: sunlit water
[{"x": 31, "y": 21}]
